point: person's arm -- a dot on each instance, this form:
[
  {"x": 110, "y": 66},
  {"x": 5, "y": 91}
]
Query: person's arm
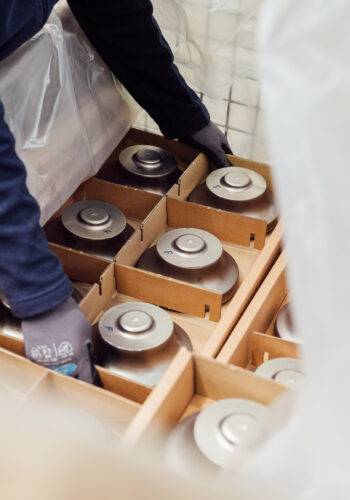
[
  {"x": 128, "y": 39},
  {"x": 56, "y": 333},
  {"x": 31, "y": 276}
]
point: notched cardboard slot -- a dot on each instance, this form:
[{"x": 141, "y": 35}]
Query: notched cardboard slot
[
  {"x": 79, "y": 266},
  {"x": 261, "y": 344},
  {"x": 224, "y": 225},
  {"x": 134, "y": 203},
  {"x": 259, "y": 318},
  {"x": 167, "y": 292}
]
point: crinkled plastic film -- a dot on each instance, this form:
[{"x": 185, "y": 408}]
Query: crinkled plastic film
[
  {"x": 305, "y": 77},
  {"x": 214, "y": 47},
  {"x": 64, "y": 108}
]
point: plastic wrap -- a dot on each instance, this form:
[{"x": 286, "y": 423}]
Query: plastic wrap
[
  {"x": 305, "y": 75},
  {"x": 213, "y": 40},
  {"x": 63, "y": 107},
  {"x": 214, "y": 47}
]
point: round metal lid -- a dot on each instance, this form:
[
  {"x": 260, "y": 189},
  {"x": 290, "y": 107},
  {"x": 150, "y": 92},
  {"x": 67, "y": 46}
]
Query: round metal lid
[
  {"x": 189, "y": 248},
  {"x": 147, "y": 161},
  {"x": 284, "y": 325},
  {"x": 286, "y": 371},
  {"x": 135, "y": 326},
  {"x": 93, "y": 220},
  {"x": 223, "y": 426},
  {"x": 4, "y": 300},
  {"x": 236, "y": 184}
]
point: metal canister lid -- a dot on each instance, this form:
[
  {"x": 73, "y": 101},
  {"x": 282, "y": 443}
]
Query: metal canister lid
[
  {"x": 223, "y": 426},
  {"x": 236, "y": 184},
  {"x": 286, "y": 371},
  {"x": 284, "y": 325},
  {"x": 135, "y": 327},
  {"x": 147, "y": 161},
  {"x": 93, "y": 220},
  {"x": 189, "y": 248}
]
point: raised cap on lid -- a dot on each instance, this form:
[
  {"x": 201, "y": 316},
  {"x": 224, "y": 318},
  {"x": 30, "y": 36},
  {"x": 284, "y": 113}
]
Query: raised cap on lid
[{"x": 189, "y": 248}]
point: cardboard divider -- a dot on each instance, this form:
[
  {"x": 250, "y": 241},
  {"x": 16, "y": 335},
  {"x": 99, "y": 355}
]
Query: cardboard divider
[
  {"x": 17, "y": 375},
  {"x": 114, "y": 411},
  {"x": 225, "y": 225},
  {"x": 82, "y": 268},
  {"x": 259, "y": 316},
  {"x": 176, "y": 295},
  {"x": 190, "y": 384},
  {"x": 135, "y": 204}
]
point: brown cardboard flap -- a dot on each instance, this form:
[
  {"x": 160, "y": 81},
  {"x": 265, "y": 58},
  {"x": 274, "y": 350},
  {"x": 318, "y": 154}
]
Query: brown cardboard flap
[
  {"x": 132, "y": 202},
  {"x": 258, "y": 315},
  {"x": 152, "y": 227},
  {"x": 218, "y": 381},
  {"x": 274, "y": 347},
  {"x": 167, "y": 292},
  {"x": 261, "y": 168},
  {"x": 78, "y": 265},
  {"x": 224, "y": 225},
  {"x": 195, "y": 174}
]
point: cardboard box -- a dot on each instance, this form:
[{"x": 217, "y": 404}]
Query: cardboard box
[
  {"x": 190, "y": 384},
  {"x": 251, "y": 342},
  {"x": 27, "y": 382}
]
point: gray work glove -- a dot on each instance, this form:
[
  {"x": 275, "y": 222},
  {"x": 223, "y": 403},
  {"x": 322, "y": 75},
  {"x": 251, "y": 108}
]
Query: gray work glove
[
  {"x": 60, "y": 339},
  {"x": 212, "y": 142}
]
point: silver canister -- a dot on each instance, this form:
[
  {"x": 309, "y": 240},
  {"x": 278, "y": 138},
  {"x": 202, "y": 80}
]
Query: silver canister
[
  {"x": 285, "y": 326},
  {"x": 238, "y": 190},
  {"x": 138, "y": 341},
  {"x": 286, "y": 371},
  {"x": 144, "y": 167},
  {"x": 214, "y": 438},
  {"x": 194, "y": 256},
  {"x": 10, "y": 326},
  {"x": 91, "y": 226}
]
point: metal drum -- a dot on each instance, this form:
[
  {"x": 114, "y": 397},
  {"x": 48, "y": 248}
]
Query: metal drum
[
  {"x": 213, "y": 438},
  {"x": 238, "y": 190},
  {"x": 286, "y": 371},
  {"x": 91, "y": 226},
  {"x": 10, "y": 325},
  {"x": 138, "y": 341},
  {"x": 194, "y": 256},
  {"x": 144, "y": 167},
  {"x": 284, "y": 325}
]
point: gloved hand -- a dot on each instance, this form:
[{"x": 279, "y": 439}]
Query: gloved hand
[
  {"x": 60, "y": 339},
  {"x": 212, "y": 142}
]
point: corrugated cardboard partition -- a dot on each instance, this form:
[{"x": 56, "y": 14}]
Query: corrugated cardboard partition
[
  {"x": 190, "y": 384},
  {"x": 252, "y": 342},
  {"x": 27, "y": 383}
]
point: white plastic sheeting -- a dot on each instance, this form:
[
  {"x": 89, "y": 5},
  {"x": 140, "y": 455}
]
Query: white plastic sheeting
[
  {"x": 305, "y": 76},
  {"x": 64, "y": 109},
  {"x": 214, "y": 47}
]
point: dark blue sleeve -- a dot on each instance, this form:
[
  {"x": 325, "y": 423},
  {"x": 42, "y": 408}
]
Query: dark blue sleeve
[
  {"x": 31, "y": 276},
  {"x": 127, "y": 37}
]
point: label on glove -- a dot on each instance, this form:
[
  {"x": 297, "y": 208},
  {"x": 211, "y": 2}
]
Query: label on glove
[{"x": 64, "y": 369}]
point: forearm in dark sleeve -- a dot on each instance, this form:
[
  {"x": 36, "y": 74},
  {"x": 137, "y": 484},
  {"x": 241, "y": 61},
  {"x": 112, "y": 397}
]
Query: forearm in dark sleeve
[
  {"x": 129, "y": 40},
  {"x": 31, "y": 276}
]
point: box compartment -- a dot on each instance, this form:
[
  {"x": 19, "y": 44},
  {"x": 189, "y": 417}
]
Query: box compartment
[{"x": 251, "y": 341}]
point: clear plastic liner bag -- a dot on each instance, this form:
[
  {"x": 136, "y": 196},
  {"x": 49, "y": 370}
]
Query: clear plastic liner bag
[
  {"x": 213, "y": 40},
  {"x": 305, "y": 78},
  {"x": 64, "y": 108},
  {"x": 215, "y": 49}
]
